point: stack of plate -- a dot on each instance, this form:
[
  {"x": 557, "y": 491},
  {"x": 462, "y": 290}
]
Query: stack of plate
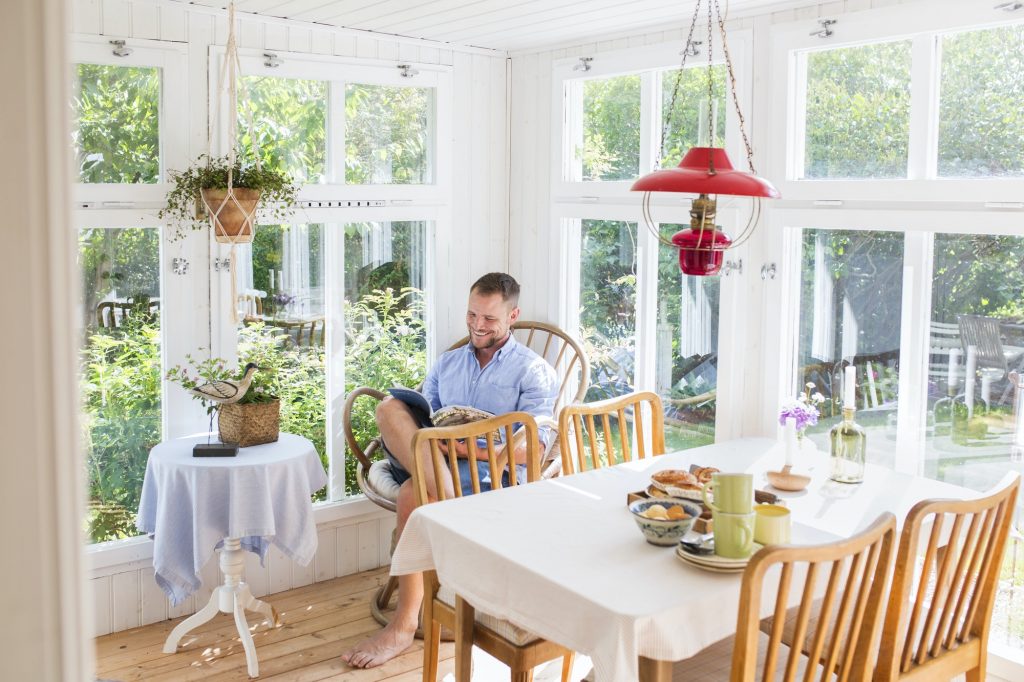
[{"x": 713, "y": 562}]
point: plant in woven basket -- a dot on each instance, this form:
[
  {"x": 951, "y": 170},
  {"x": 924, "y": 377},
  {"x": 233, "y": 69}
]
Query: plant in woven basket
[
  {"x": 201, "y": 190},
  {"x": 251, "y": 420}
]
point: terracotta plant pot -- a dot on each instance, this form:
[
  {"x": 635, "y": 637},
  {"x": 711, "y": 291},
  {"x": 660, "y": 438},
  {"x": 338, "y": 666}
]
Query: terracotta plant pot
[
  {"x": 249, "y": 423},
  {"x": 232, "y": 218}
]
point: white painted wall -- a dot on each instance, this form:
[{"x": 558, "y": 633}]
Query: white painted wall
[{"x": 354, "y": 536}]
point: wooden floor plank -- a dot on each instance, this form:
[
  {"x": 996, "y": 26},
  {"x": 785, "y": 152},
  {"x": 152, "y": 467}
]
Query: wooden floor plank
[{"x": 320, "y": 622}]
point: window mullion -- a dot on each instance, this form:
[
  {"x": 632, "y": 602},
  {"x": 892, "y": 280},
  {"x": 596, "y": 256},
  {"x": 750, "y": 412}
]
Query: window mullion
[
  {"x": 913, "y": 368},
  {"x": 923, "y": 145},
  {"x": 650, "y": 114},
  {"x": 336, "y": 132}
]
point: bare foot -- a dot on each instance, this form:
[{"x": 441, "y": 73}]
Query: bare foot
[{"x": 382, "y": 647}]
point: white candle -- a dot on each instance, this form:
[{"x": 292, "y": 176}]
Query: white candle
[
  {"x": 849, "y": 387},
  {"x": 271, "y": 279},
  {"x": 969, "y": 372},
  {"x": 954, "y": 363}
]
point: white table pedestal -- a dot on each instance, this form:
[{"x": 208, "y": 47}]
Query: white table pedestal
[{"x": 234, "y": 597}]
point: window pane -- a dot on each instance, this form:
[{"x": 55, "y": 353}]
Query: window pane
[
  {"x": 117, "y": 124},
  {"x": 289, "y": 123},
  {"x": 978, "y": 302},
  {"x": 611, "y": 128},
  {"x": 688, "y": 117},
  {"x": 858, "y": 112},
  {"x": 120, "y": 370},
  {"x": 687, "y": 350},
  {"x": 608, "y": 305},
  {"x": 981, "y": 103},
  {"x": 851, "y": 300},
  {"x": 389, "y": 135},
  {"x": 281, "y": 300},
  {"x": 385, "y": 331}
]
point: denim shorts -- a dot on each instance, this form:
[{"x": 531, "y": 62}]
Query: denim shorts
[{"x": 483, "y": 471}]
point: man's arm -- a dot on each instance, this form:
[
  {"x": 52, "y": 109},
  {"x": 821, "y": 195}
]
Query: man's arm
[{"x": 538, "y": 396}]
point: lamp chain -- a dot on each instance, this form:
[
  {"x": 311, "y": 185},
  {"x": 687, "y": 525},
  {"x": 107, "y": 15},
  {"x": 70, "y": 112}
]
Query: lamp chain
[
  {"x": 732, "y": 87},
  {"x": 675, "y": 90},
  {"x": 711, "y": 99}
]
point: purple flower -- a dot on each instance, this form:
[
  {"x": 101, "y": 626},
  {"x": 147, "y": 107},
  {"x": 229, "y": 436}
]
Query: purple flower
[
  {"x": 805, "y": 415},
  {"x": 282, "y": 298}
]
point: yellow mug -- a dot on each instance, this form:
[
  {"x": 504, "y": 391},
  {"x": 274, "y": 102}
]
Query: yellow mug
[{"x": 772, "y": 525}]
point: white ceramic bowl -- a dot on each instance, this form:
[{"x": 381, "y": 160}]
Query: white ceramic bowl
[{"x": 664, "y": 532}]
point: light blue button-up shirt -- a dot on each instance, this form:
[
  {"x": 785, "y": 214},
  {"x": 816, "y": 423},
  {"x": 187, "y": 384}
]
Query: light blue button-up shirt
[{"x": 516, "y": 379}]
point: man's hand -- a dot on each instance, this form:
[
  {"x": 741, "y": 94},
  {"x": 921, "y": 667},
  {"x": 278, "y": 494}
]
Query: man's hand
[{"x": 461, "y": 449}]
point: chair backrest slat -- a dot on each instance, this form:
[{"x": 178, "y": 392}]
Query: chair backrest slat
[
  {"x": 956, "y": 584},
  {"x": 838, "y": 642},
  {"x": 445, "y": 470},
  {"x": 627, "y": 414}
]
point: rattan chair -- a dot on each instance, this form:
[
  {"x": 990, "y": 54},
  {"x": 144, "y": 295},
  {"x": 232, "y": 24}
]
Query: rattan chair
[
  {"x": 515, "y": 647},
  {"x": 939, "y": 614},
  {"x": 586, "y": 431},
  {"x": 854, "y": 574},
  {"x": 375, "y": 478}
]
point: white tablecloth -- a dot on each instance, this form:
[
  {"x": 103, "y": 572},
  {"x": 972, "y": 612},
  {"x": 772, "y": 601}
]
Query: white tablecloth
[
  {"x": 564, "y": 559},
  {"x": 190, "y": 504}
]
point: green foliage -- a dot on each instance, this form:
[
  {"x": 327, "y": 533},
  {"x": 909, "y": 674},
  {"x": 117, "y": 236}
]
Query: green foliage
[
  {"x": 122, "y": 262},
  {"x": 858, "y": 112},
  {"x": 289, "y": 125},
  {"x": 120, "y": 388},
  {"x": 687, "y": 123},
  {"x": 385, "y": 344},
  {"x": 387, "y": 135},
  {"x": 977, "y": 275},
  {"x": 981, "y": 103},
  {"x": 117, "y": 124},
  {"x": 276, "y": 188},
  {"x": 611, "y": 128}
]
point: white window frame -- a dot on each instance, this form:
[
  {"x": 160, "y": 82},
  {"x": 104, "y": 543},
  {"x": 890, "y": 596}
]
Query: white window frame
[
  {"x": 612, "y": 200},
  {"x": 172, "y": 60},
  {"x": 429, "y": 203},
  {"x": 874, "y": 26}
]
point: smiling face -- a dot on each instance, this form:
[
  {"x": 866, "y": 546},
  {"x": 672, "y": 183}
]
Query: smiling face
[{"x": 488, "y": 319}]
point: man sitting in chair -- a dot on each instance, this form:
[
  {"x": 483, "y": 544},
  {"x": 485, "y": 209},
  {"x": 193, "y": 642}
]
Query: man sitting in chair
[{"x": 493, "y": 372}]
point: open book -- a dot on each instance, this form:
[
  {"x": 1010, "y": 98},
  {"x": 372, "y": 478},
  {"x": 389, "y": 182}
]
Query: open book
[{"x": 452, "y": 415}]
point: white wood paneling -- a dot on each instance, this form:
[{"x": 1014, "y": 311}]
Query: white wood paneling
[
  {"x": 173, "y": 24},
  {"x": 369, "y": 545},
  {"x": 126, "y": 601},
  {"x": 117, "y": 18},
  {"x": 87, "y": 16},
  {"x": 145, "y": 21},
  {"x": 154, "y": 601},
  {"x": 101, "y": 603},
  {"x": 348, "y": 560},
  {"x": 325, "y": 563}
]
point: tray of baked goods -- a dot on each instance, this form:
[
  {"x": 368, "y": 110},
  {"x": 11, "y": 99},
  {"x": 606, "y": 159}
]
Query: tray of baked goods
[{"x": 687, "y": 485}]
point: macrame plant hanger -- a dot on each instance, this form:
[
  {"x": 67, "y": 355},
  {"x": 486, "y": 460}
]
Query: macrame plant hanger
[{"x": 238, "y": 205}]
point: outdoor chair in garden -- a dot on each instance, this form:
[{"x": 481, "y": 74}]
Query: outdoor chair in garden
[{"x": 375, "y": 477}]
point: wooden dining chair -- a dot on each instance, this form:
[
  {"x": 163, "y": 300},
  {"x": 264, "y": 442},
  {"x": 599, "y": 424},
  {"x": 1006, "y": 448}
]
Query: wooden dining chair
[
  {"x": 837, "y": 622},
  {"x": 592, "y": 435},
  {"x": 373, "y": 473},
  {"x": 515, "y": 647},
  {"x": 940, "y": 610}
]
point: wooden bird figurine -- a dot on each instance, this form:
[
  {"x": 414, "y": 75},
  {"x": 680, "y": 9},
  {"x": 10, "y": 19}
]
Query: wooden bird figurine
[{"x": 227, "y": 391}]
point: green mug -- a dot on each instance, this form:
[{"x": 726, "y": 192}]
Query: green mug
[
  {"x": 733, "y": 493},
  {"x": 734, "y": 534}
]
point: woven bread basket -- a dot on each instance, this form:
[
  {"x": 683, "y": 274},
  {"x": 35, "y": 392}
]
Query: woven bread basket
[{"x": 250, "y": 424}]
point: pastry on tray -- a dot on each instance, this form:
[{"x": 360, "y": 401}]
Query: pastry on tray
[{"x": 677, "y": 483}]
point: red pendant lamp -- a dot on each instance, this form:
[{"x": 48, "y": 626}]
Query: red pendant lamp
[{"x": 708, "y": 173}]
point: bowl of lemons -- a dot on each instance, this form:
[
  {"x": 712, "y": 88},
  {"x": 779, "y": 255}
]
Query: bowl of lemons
[{"x": 665, "y": 520}]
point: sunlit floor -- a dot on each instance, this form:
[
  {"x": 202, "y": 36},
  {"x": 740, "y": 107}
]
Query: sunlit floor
[{"x": 319, "y": 622}]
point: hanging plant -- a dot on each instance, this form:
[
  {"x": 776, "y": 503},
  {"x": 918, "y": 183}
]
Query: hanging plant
[{"x": 200, "y": 195}]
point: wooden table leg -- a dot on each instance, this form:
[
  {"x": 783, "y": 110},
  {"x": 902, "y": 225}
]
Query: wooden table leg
[{"x": 652, "y": 670}]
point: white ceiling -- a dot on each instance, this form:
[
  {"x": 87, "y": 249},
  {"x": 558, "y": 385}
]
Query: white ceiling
[{"x": 507, "y": 25}]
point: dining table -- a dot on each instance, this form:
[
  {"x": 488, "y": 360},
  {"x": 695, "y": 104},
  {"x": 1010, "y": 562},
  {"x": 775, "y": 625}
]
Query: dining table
[{"x": 564, "y": 559}]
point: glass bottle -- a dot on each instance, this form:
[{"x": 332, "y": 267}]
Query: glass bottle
[{"x": 849, "y": 449}]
